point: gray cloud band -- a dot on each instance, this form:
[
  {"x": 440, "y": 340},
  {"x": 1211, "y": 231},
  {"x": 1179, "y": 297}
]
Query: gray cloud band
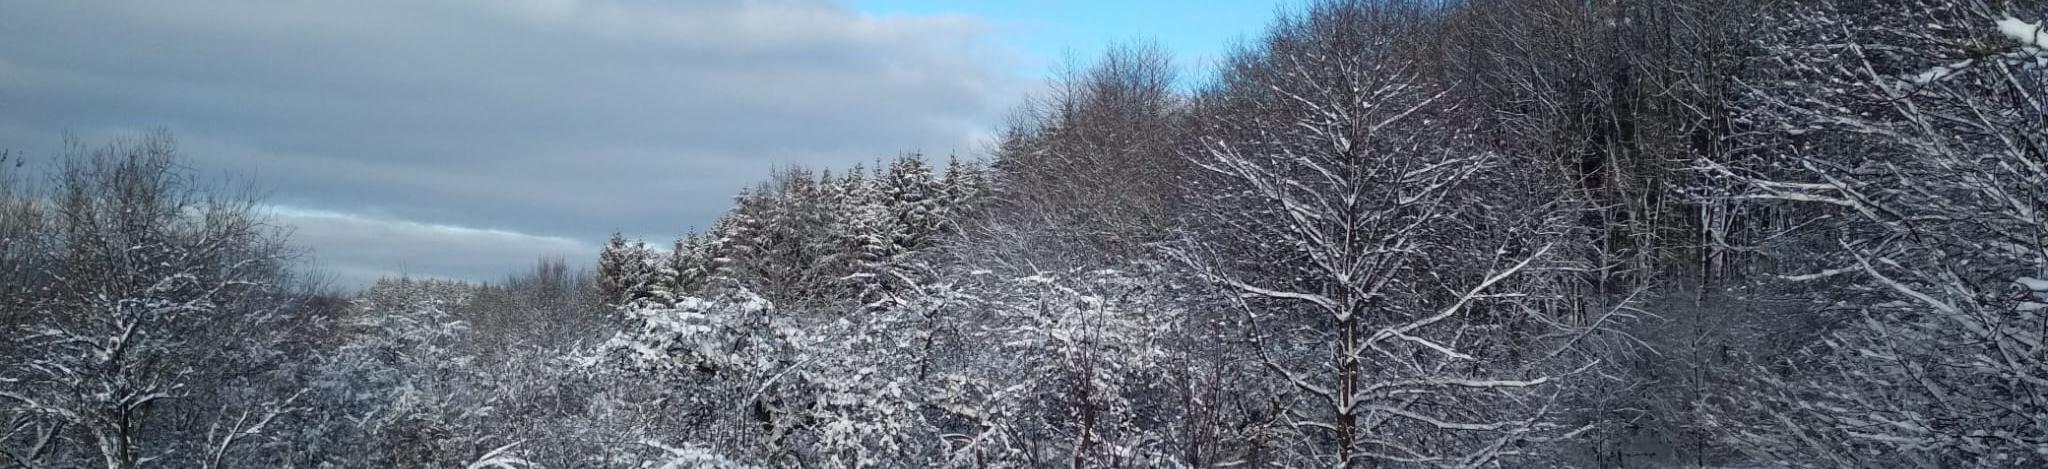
[{"x": 557, "y": 118}]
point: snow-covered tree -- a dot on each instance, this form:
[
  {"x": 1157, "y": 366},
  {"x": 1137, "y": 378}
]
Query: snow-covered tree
[
  {"x": 406, "y": 385},
  {"x": 1912, "y": 132},
  {"x": 1362, "y": 237},
  {"x": 715, "y": 359},
  {"x": 691, "y": 260},
  {"x": 750, "y": 241},
  {"x": 1089, "y": 165},
  {"x": 661, "y": 286},
  {"x": 161, "y": 291},
  {"x": 616, "y": 269},
  {"x": 911, "y": 194},
  {"x": 858, "y": 236},
  {"x": 1075, "y": 368},
  {"x": 963, "y": 189}
]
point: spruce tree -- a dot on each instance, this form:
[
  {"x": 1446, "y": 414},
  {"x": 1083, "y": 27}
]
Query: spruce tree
[
  {"x": 840, "y": 253},
  {"x": 869, "y": 234},
  {"x": 614, "y": 265},
  {"x": 910, "y": 195},
  {"x": 690, "y": 262},
  {"x": 639, "y": 265},
  {"x": 961, "y": 191}
]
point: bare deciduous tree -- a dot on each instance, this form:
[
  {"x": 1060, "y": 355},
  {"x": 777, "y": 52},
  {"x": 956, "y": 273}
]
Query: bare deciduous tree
[
  {"x": 151, "y": 276},
  {"x": 1373, "y": 276},
  {"x": 1915, "y": 132}
]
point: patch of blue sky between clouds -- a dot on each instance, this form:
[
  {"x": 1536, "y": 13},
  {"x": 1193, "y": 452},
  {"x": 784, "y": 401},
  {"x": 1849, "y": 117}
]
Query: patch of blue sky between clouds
[{"x": 1048, "y": 33}]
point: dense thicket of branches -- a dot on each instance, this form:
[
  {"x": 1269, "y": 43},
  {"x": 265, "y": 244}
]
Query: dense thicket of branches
[
  {"x": 140, "y": 301},
  {"x": 1487, "y": 233}
]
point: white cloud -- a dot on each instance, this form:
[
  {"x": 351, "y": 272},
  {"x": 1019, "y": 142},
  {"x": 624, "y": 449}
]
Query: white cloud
[{"x": 359, "y": 249}]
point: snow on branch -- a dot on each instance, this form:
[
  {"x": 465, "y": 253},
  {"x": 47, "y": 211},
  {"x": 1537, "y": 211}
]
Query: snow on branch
[{"x": 2027, "y": 33}]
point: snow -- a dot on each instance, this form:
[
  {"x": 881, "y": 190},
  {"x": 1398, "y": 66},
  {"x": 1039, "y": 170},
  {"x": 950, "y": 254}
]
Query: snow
[
  {"x": 2029, "y": 34},
  {"x": 2040, "y": 290},
  {"x": 1940, "y": 72}
]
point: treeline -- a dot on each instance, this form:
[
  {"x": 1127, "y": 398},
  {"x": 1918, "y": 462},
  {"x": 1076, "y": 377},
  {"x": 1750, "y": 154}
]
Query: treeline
[
  {"x": 154, "y": 318},
  {"x": 806, "y": 236},
  {"x": 1489, "y": 233}
]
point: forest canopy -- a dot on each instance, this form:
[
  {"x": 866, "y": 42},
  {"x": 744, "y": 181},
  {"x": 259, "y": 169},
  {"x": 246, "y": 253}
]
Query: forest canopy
[{"x": 1484, "y": 233}]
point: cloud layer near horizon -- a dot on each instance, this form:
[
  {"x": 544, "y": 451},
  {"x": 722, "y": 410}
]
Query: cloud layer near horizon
[{"x": 423, "y": 137}]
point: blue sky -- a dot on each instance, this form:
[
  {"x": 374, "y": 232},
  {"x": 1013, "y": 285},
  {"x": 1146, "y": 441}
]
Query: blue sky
[
  {"x": 1198, "y": 32},
  {"x": 465, "y": 138}
]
